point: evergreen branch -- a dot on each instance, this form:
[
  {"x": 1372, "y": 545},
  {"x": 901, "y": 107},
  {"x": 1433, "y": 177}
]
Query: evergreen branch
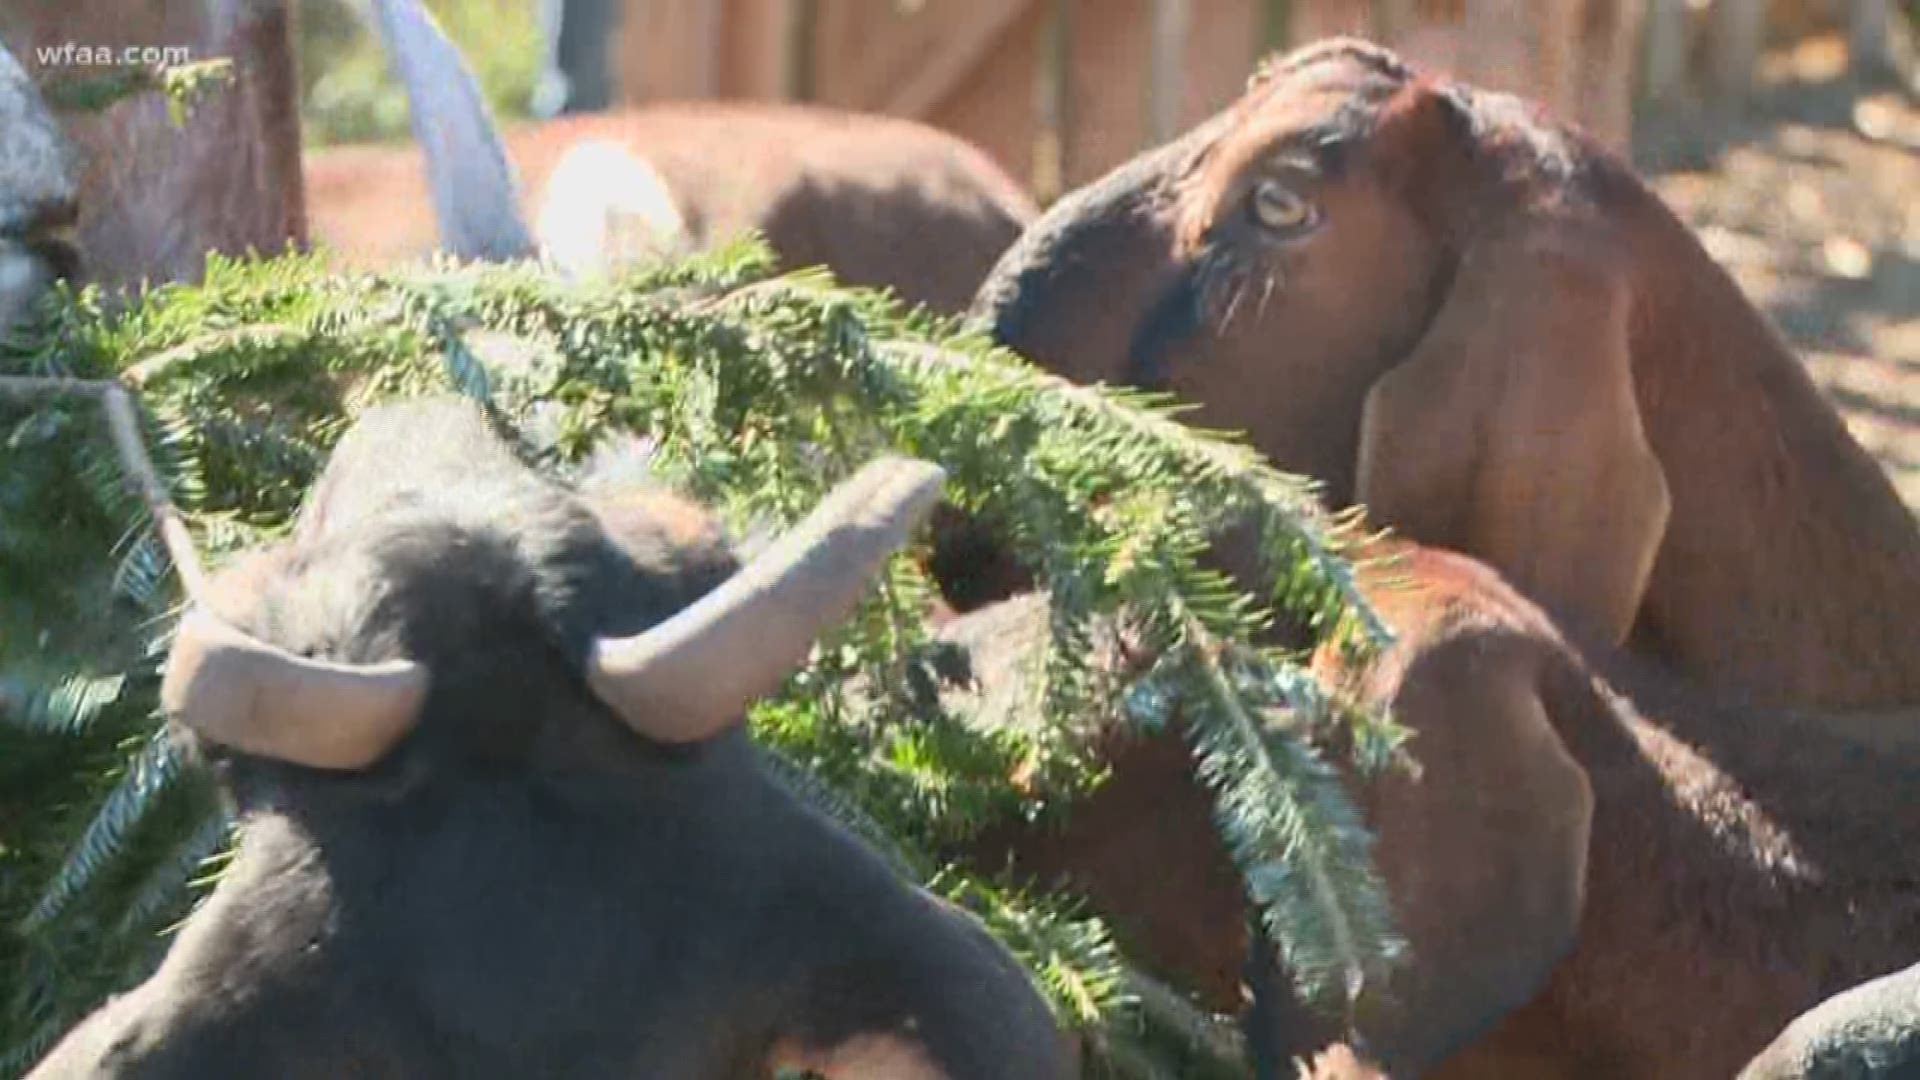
[
  {"x": 1073, "y": 960},
  {"x": 1307, "y": 855},
  {"x": 21, "y": 1056},
  {"x": 1230, "y": 462},
  {"x": 182, "y": 85},
  {"x": 1169, "y": 1010},
  {"x": 142, "y": 373},
  {"x": 72, "y": 704},
  {"x": 148, "y": 776},
  {"x": 124, "y": 428},
  {"x": 167, "y": 881},
  {"x": 756, "y": 393}
]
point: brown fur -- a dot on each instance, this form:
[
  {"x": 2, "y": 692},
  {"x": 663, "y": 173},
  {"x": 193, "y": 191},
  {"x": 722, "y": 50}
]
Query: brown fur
[
  {"x": 1340, "y": 1063},
  {"x": 638, "y": 910},
  {"x": 1728, "y": 868},
  {"x": 881, "y": 201},
  {"x": 1728, "y": 882},
  {"x": 1786, "y": 566},
  {"x": 154, "y": 199}
]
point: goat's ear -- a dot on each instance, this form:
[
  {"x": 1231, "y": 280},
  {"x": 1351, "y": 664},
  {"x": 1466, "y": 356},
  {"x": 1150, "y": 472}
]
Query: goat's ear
[
  {"x": 1422, "y": 138},
  {"x": 1512, "y": 432},
  {"x": 1483, "y": 851}
]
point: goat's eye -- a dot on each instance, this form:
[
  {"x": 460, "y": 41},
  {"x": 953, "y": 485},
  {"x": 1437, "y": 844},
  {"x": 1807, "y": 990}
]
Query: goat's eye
[{"x": 1282, "y": 209}]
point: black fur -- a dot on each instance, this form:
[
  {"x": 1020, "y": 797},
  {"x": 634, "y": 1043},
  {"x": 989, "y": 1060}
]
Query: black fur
[{"x": 524, "y": 888}]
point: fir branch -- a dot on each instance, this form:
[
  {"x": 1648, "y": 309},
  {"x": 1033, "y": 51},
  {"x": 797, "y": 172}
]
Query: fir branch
[
  {"x": 153, "y": 368},
  {"x": 124, "y": 428},
  {"x": 150, "y": 774},
  {"x": 161, "y": 889},
  {"x": 1285, "y": 838},
  {"x": 1290, "y": 499},
  {"x": 20, "y": 1056},
  {"x": 1166, "y": 1008},
  {"x": 72, "y": 704},
  {"x": 182, "y": 85},
  {"x": 757, "y": 393}
]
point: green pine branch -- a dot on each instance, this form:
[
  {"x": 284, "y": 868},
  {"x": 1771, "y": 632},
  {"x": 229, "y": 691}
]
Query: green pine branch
[{"x": 754, "y": 393}]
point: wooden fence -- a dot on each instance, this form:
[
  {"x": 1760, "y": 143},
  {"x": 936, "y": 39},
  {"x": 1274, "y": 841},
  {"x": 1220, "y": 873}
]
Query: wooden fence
[{"x": 1061, "y": 90}]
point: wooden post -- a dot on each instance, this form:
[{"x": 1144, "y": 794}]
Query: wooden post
[
  {"x": 584, "y": 52},
  {"x": 960, "y": 53},
  {"x": 1388, "y": 19},
  {"x": 1560, "y": 49},
  {"x": 1739, "y": 33},
  {"x": 1276, "y": 25},
  {"x": 1166, "y": 75},
  {"x": 1868, "y": 25},
  {"x": 709, "y": 20},
  {"x": 1053, "y": 103},
  {"x": 803, "y": 22},
  {"x": 1607, "y": 71},
  {"x": 1666, "y": 50}
]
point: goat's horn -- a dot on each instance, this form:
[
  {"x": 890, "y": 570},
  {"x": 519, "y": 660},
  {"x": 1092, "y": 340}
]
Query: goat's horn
[
  {"x": 472, "y": 182},
  {"x": 689, "y": 677},
  {"x": 241, "y": 692}
]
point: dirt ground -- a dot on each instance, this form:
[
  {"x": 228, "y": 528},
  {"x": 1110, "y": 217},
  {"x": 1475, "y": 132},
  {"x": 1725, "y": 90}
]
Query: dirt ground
[{"x": 1811, "y": 197}]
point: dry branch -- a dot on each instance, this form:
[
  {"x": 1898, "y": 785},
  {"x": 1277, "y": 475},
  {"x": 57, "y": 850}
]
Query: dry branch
[{"x": 123, "y": 427}]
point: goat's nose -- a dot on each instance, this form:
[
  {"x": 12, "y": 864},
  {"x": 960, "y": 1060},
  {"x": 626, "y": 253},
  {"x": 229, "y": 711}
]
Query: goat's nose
[
  {"x": 45, "y": 230},
  {"x": 28, "y": 219},
  {"x": 52, "y": 216}
]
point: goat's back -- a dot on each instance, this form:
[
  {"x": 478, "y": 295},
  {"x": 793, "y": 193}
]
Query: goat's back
[{"x": 882, "y": 201}]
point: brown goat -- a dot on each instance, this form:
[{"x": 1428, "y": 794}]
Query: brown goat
[
  {"x": 154, "y": 198},
  {"x": 1646, "y": 885},
  {"x": 883, "y": 202},
  {"x": 1490, "y": 332}
]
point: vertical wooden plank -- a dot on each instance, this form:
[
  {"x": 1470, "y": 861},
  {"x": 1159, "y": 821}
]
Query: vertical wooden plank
[
  {"x": 802, "y": 41},
  {"x": 704, "y": 76},
  {"x": 1607, "y": 70},
  {"x": 1739, "y": 33},
  {"x": 959, "y": 56},
  {"x": 753, "y": 50},
  {"x": 1276, "y": 26},
  {"x": 1053, "y": 102},
  {"x": 1388, "y": 19},
  {"x": 672, "y": 48},
  {"x": 1666, "y": 50},
  {"x": 1559, "y": 51},
  {"x": 1500, "y": 45},
  {"x": 1868, "y": 26},
  {"x": 584, "y": 50},
  {"x": 1166, "y": 76}
]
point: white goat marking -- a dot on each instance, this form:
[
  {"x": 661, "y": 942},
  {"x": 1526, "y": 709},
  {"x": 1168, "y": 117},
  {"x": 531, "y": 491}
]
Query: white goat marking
[{"x": 605, "y": 207}]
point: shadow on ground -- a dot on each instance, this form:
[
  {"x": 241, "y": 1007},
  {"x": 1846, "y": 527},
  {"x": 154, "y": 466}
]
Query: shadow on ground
[{"x": 1810, "y": 195}]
